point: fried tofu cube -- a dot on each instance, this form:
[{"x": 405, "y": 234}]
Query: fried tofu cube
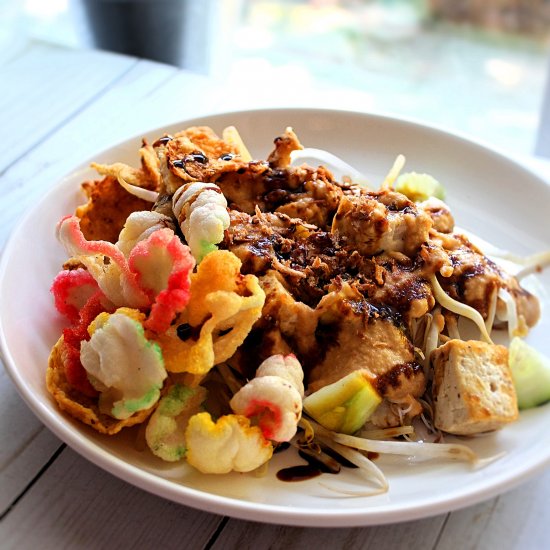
[
  {"x": 472, "y": 388},
  {"x": 382, "y": 221}
]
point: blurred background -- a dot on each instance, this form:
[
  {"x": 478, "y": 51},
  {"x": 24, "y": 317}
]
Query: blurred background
[{"x": 474, "y": 66}]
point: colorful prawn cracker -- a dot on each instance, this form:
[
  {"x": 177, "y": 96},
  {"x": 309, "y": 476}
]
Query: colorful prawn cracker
[
  {"x": 72, "y": 289},
  {"x": 224, "y": 304},
  {"x": 163, "y": 266},
  {"x": 201, "y": 210},
  {"x": 124, "y": 366},
  {"x": 165, "y": 432},
  {"x": 139, "y": 226},
  {"x": 114, "y": 277},
  {"x": 273, "y": 399},
  {"x": 78, "y": 405},
  {"x": 155, "y": 274},
  {"x": 72, "y": 339},
  {"x": 229, "y": 444}
]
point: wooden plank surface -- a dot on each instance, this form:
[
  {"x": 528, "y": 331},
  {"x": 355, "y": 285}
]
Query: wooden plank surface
[
  {"x": 416, "y": 535},
  {"x": 517, "y": 519},
  {"x": 76, "y": 505},
  {"x": 17, "y": 475},
  {"x": 56, "y": 84}
]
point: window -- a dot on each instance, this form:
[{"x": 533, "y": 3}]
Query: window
[{"x": 473, "y": 66}]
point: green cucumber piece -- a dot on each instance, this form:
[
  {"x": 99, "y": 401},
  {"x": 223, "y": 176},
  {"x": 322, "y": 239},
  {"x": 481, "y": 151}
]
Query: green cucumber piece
[
  {"x": 531, "y": 374},
  {"x": 345, "y": 405}
]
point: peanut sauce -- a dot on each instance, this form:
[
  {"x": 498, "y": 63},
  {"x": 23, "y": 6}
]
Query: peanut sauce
[{"x": 391, "y": 377}]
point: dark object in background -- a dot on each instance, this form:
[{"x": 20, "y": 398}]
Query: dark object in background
[
  {"x": 530, "y": 17},
  {"x": 177, "y": 32}
]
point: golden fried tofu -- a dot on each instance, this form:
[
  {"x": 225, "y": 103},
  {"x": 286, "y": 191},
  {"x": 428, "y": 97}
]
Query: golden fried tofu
[
  {"x": 383, "y": 221},
  {"x": 472, "y": 387}
]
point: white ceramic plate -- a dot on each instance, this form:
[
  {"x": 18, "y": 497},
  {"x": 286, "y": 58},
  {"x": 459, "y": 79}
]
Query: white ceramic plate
[{"x": 489, "y": 194}]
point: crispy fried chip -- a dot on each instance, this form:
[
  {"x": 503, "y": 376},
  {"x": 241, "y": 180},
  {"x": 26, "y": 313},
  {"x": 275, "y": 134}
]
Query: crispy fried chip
[
  {"x": 150, "y": 164},
  {"x": 205, "y": 139},
  {"x": 231, "y": 135},
  {"x": 133, "y": 176},
  {"x": 187, "y": 163},
  {"x": 77, "y": 404},
  {"x": 165, "y": 432},
  {"x": 195, "y": 154},
  {"x": 201, "y": 211},
  {"x": 155, "y": 273},
  {"x": 123, "y": 365},
  {"x": 136, "y": 182},
  {"x": 224, "y": 304},
  {"x": 108, "y": 206},
  {"x": 229, "y": 443},
  {"x": 284, "y": 146}
]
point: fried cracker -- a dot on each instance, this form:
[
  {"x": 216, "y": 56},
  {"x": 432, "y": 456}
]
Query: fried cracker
[
  {"x": 108, "y": 206},
  {"x": 207, "y": 141},
  {"x": 77, "y": 404}
]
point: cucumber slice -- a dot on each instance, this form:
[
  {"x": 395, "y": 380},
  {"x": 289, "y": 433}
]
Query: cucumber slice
[
  {"x": 345, "y": 405},
  {"x": 419, "y": 187},
  {"x": 531, "y": 374}
]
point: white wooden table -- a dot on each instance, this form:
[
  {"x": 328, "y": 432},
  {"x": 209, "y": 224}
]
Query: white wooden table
[{"x": 59, "y": 107}]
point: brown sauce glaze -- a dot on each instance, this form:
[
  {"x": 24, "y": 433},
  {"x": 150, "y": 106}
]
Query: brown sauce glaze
[
  {"x": 391, "y": 377},
  {"x": 315, "y": 467},
  {"x": 185, "y": 332},
  {"x": 163, "y": 140},
  {"x": 339, "y": 458},
  {"x": 302, "y": 472},
  {"x": 280, "y": 447}
]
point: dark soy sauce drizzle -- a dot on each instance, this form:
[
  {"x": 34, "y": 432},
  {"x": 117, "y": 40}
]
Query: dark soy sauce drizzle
[
  {"x": 302, "y": 472},
  {"x": 314, "y": 466}
]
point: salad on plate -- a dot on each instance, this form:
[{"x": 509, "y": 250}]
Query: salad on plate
[{"x": 233, "y": 307}]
